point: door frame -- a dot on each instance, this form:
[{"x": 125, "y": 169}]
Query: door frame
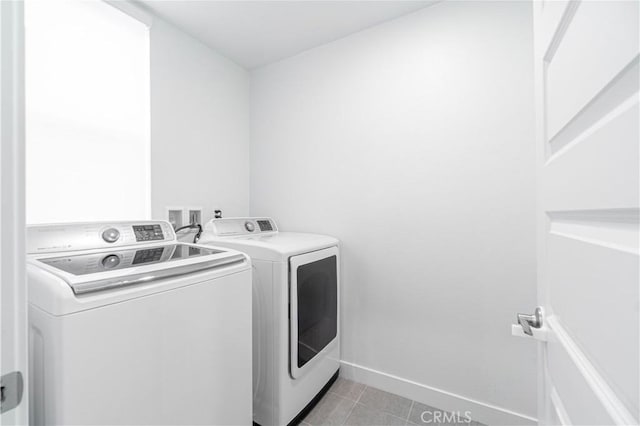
[{"x": 13, "y": 289}]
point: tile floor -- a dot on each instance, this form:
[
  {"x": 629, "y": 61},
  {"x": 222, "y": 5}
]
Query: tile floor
[{"x": 351, "y": 403}]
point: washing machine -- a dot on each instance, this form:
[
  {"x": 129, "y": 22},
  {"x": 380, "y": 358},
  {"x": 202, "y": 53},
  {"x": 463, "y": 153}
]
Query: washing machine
[
  {"x": 296, "y": 321},
  {"x": 129, "y": 326}
]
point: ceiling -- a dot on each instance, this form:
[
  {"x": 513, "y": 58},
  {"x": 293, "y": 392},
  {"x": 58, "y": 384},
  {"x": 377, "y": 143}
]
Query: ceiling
[{"x": 255, "y": 33}]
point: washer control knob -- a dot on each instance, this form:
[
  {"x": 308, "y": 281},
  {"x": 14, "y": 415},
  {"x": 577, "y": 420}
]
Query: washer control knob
[
  {"x": 111, "y": 235},
  {"x": 249, "y": 226},
  {"x": 110, "y": 261}
]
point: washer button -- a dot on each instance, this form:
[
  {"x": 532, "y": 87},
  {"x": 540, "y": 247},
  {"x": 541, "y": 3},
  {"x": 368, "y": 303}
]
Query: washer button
[
  {"x": 110, "y": 261},
  {"x": 249, "y": 226},
  {"x": 111, "y": 235}
]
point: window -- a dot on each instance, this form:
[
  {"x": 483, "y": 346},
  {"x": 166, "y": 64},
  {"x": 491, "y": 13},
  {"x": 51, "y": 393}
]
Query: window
[{"x": 87, "y": 113}]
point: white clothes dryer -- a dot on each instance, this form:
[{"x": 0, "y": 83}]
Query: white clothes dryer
[
  {"x": 128, "y": 326},
  {"x": 296, "y": 321}
]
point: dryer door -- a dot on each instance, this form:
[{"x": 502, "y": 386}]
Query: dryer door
[{"x": 314, "y": 293}]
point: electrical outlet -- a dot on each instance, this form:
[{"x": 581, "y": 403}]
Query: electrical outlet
[
  {"x": 175, "y": 216},
  {"x": 195, "y": 216}
]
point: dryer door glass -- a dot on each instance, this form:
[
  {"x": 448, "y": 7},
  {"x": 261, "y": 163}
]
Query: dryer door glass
[{"x": 317, "y": 297}]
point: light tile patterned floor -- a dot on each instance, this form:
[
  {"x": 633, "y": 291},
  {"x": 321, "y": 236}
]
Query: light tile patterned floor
[{"x": 351, "y": 403}]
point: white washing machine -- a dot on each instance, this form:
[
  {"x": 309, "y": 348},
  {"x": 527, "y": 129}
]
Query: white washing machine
[
  {"x": 128, "y": 326},
  {"x": 296, "y": 323}
]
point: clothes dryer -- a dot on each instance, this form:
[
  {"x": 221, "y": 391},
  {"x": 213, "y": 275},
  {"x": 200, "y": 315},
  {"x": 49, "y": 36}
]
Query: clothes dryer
[{"x": 296, "y": 320}]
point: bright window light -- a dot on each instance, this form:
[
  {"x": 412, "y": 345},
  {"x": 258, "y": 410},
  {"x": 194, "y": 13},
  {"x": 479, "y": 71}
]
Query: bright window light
[{"x": 87, "y": 113}]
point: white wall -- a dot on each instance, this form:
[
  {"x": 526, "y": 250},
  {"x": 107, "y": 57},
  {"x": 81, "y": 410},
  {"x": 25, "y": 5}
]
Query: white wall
[
  {"x": 199, "y": 126},
  {"x": 412, "y": 142}
]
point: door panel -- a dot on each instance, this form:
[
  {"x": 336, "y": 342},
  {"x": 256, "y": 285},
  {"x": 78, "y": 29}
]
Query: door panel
[
  {"x": 549, "y": 21},
  {"x": 582, "y": 407},
  {"x": 599, "y": 161},
  {"x": 587, "y": 74},
  {"x": 611, "y": 101},
  {"x": 591, "y": 52},
  {"x": 591, "y": 264}
]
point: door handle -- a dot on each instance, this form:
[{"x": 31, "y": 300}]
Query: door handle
[{"x": 530, "y": 321}]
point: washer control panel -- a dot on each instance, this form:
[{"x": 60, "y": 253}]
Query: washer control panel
[
  {"x": 96, "y": 235},
  {"x": 151, "y": 232}
]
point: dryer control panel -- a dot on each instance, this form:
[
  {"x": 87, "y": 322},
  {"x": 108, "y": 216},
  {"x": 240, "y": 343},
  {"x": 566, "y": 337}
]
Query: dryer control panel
[
  {"x": 236, "y": 226},
  {"x": 96, "y": 235}
]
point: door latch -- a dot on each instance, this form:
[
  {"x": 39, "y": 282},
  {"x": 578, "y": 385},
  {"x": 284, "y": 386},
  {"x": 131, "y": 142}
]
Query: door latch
[
  {"x": 11, "y": 389},
  {"x": 527, "y": 322}
]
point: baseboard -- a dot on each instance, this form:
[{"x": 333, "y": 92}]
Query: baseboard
[{"x": 482, "y": 412}]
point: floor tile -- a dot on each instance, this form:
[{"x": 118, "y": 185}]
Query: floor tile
[
  {"x": 417, "y": 409},
  {"x": 366, "y": 416},
  {"x": 331, "y": 410},
  {"x": 422, "y": 414},
  {"x": 347, "y": 388},
  {"x": 385, "y": 401}
]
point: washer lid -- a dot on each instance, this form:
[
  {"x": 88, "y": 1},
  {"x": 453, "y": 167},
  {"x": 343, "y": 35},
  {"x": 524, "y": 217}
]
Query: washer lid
[{"x": 99, "y": 270}]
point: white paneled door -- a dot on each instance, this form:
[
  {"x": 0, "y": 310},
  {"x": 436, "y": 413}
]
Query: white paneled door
[
  {"x": 13, "y": 303},
  {"x": 587, "y": 74}
]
